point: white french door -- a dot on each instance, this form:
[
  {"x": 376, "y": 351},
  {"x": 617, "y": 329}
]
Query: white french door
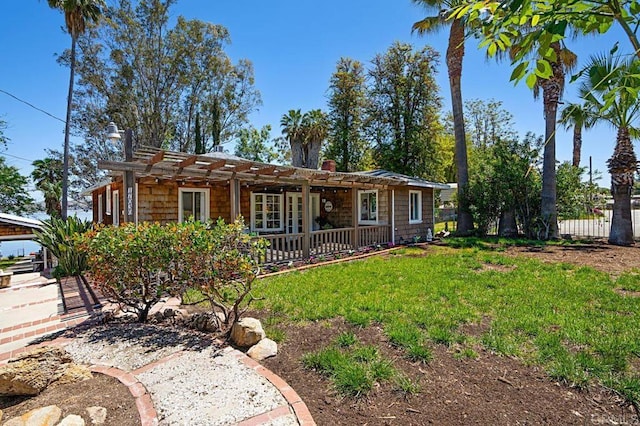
[{"x": 294, "y": 212}]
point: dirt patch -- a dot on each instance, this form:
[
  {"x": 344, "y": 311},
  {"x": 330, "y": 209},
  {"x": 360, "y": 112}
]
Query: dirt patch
[
  {"x": 74, "y": 398},
  {"x": 607, "y": 258},
  {"x": 487, "y": 390}
]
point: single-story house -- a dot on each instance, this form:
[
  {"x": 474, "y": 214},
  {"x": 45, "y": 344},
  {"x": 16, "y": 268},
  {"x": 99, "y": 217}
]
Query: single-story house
[{"x": 301, "y": 212}]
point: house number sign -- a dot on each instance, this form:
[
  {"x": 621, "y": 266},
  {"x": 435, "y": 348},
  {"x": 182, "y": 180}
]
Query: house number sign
[{"x": 328, "y": 206}]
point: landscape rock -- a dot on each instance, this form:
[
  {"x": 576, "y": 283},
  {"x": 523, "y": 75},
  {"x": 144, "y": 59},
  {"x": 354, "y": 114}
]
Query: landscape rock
[
  {"x": 72, "y": 420},
  {"x": 98, "y": 415},
  {"x": 45, "y": 416},
  {"x": 247, "y": 332},
  {"x": 265, "y": 348},
  {"x": 0, "y": 415},
  {"x": 204, "y": 321},
  {"x": 31, "y": 372},
  {"x": 74, "y": 373}
]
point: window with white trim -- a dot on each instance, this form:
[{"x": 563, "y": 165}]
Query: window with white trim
[
  {"x": 193, "y": 202},
  {"x": 100, "y": 209},
  {"x": 266, "y": 212},
  {"x": 368, "y": 207},
  {"x": 415, "y": 207}
]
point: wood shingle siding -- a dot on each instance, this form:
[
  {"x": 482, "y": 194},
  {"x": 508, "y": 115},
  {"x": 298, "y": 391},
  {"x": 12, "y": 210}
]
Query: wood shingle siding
[{"x": 405, "y": 232}]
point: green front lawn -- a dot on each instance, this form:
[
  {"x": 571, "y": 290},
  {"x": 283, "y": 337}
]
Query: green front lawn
[{"x": 567, "y": 319}]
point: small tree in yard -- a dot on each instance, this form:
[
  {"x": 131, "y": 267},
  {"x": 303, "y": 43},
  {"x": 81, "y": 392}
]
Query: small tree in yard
[{"x": 220, "y": 261}]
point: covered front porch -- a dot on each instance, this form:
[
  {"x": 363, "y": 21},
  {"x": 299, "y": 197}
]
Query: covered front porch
[{"x": 300, "y": 212}]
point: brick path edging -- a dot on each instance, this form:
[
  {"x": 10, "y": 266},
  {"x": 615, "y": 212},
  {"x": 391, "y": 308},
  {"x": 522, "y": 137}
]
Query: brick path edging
[
  {"x": 148, "y": 414},
  {"x": 300, "y": 409}
]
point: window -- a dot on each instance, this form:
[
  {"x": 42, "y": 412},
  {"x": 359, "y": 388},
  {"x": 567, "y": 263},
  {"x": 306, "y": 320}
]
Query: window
[
  {"x": 100, "y": 209},
  {"x": 193, "y": 203},
  {"x": 368, "y": 207},
  {"x": 415, "y": 207},
  {"x": 266, "y": 212}
]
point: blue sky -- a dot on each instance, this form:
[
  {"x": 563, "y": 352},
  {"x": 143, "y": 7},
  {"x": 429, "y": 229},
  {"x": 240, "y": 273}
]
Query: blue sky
[{"x": 294, "y": 46}]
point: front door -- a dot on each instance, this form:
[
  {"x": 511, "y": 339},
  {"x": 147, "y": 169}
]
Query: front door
[{"x": 294, "y": 212}]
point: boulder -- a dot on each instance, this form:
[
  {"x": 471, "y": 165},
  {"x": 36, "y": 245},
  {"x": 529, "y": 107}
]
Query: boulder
[
  {"x": 247, "y": 332},
  {"x": 31, "y": 372},
  {"x": 0, "y": 415},
  {"x": 72, "y": 420},
  {"x": 45, "y": 416},
  {"x": 98, "y": 415},
  {"x": 265, "y": 348},
  {"x": 74, "y": 373},
  {"x": 205, "y": 321}
]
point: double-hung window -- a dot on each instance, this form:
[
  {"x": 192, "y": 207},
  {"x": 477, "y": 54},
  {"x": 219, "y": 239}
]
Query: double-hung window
[
  {"x": 193, "y": 203},
  {"x": 415, "y": 207},
  {"x": 266, "y": 212},
  {"x": 368, "y": 207}
]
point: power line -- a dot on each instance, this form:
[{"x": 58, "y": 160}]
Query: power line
[
  {"x": 32, "y": 106},
  {"x": 15, "y": 156}
]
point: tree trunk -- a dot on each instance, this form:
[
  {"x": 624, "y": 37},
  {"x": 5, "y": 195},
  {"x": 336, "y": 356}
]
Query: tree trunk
[
  {"x": 67, "y": 129},
  {"x": 297, "y": 153},
  {"x": 622, "y": 167},
  {"x": 507, "y": 226},
  {"x": 455, "y": 53},
  {"x": 552, "y": 89},
  {"x": 577, "y": 145},
  {"x": 313, "y": 155}
]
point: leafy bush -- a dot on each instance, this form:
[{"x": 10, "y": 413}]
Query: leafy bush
[
  {"x": 136, "y": 266},
  {"x": 60, "y": 238},
  {"x": 131, "y": 264},
  {"x": 221, "y": 261}
]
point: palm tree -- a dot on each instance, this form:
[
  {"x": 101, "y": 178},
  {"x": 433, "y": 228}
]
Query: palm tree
[
  {"x": 291, "y": 124},
  {"x": 315, "y": 128},
  {"x": 610, "y": 87},
  {"x": 455, "y": 54},
  {"x": 47, "y": 177},
  {"x": 578, "y": 117},
  {"x": 76, "y": 14},
  {"x": 552, "y": 90}
]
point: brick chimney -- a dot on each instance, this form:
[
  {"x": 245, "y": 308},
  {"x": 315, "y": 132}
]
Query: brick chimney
[{"x": 329, "y": 165}]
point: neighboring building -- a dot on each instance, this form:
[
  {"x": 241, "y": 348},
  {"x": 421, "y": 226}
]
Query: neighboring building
[
  {"x": 447, "y": 207},
  {"x": 344, "y": 210}
]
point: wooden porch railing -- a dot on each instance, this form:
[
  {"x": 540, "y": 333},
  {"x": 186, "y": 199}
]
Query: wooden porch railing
[
  {"x": 375, "y": 234},
  {"x": 331, "y": 240},
  {"x": 285, "y": 247}
]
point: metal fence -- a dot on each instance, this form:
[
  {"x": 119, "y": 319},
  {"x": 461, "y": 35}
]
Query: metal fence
[
  {"x": 591, "y": 226},
  {"x": 596, "y": 226}
]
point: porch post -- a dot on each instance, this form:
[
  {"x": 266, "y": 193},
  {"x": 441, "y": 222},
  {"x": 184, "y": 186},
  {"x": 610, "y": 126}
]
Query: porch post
[
  {"x": 306, "y": 213},
  {"x": 355, "y": 242},
  {"x": 234, "y": 198},
  {"x": 392, "y": 194},
  {"x": 128, "y": 182}
]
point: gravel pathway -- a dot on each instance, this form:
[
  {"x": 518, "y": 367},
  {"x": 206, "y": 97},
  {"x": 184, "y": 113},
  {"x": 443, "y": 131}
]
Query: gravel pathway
[{"x": 191, "y": 379}]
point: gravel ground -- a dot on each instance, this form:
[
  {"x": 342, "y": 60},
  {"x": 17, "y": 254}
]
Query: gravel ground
[
  {"x": 209, "y": 388},
  {"x": 205, "y": 385}
]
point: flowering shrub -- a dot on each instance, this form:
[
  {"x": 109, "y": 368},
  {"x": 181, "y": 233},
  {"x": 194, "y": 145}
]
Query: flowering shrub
[
  {"x": 221, "y": 261},
  {"x": 135, "y": 266},
  {"x": 131, "y": 264}
]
